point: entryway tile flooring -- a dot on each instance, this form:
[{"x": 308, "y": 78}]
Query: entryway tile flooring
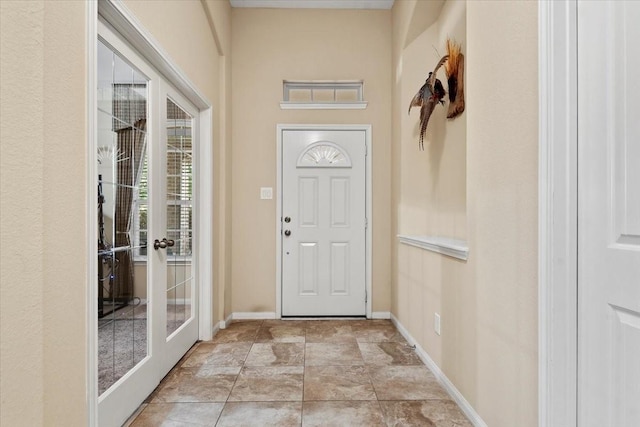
[{"x": 301, "y": 373}]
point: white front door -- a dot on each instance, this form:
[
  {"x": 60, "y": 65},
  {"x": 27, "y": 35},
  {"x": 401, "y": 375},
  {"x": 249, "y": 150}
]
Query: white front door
[
  {"x": 323, "y": 223},
  {"x": 608, "y": 214}
]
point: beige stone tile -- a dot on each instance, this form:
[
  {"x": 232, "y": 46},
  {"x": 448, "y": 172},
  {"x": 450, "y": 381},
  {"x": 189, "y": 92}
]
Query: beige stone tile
[
  {"x": 224, "y": 354},
  {"x": 436, "y": 413},
  {"x": 284, "y": 322},
  {"x": 388, "y": 353},
  {"x": 268, "y": 383},
  {"x": 377, "y": 331},
  {"x": 330, "y": 331},
  {"x": 204, "y": 384},
  {"x": 351, "y": 413},
  {"x": 178, "y": 414},
  {"x": 282, "y": 332},
  {"x": 261, "y": 414},
  {"x": 332, "y": 354},
  {"x": 405, "y": 383},
  {"x": 244, "y": 331},
  {"x": 337, "y": 383},
  {"x": 273, "y": 354}
]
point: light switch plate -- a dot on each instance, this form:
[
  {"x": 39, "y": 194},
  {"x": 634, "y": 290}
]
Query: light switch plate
[{"x": 266, "y": 193}]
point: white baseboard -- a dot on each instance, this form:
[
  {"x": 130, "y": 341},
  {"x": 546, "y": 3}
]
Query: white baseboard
[
  {"x": 381, "y": 315},
  {"x": 258, "y": 315},
  {"x": 216, "y": 328},
  {"x": 224, "y": 324},
  {"x": 441, "y": 377}
]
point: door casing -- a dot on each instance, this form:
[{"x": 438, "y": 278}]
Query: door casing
[
  {"x": 557, "y": 213},
  {"x": 368, "y": 209}
]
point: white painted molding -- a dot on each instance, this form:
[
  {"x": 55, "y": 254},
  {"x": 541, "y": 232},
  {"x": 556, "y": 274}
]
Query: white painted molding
[
  {"x": 251, "y": 315},
  {"x": 323, "y": 105},
  {"x": 381, "y": 315},
  {"x": 455, "y": 394},
  {"x": 126, "y": 23},
  {"x": 443, "y": 245},
  {"x": 216, "y": 328},
  {"x": 204, "y": 205},
  {"x": 224, "y": 324},
  {"x": 557, "y": 213},
  {"x": 91, "y": 308}
]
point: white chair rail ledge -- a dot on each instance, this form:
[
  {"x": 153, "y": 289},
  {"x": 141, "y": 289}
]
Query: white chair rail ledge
[{"x": 443, "y": 245}]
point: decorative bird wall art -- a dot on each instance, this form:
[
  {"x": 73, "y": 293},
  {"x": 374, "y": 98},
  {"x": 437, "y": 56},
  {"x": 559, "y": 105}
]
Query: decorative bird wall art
[
  {"x": 454, "y": 69},
  {"x": 432, "y": 92}
]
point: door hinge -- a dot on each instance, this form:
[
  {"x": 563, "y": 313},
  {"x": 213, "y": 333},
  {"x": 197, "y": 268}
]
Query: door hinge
[
  {"x": 366, "y": 150},
  {"x": 366, "y": 297},
  {"x": 366, "y": 223}
]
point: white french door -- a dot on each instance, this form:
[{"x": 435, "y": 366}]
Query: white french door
[
  {"x": 608, "y": 214},
  {"x": 323, "y": 222},
  {"x": 147, "y": 147}
]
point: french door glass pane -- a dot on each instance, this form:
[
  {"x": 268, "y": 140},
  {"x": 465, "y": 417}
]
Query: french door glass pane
[
  {"x": 122, "y": 152},
  {"x": 180, "y": 280}
]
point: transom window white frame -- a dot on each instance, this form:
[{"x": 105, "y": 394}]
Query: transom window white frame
[
  {"x": 126, "y": 24},
  {"x": 323, "y": 94}
]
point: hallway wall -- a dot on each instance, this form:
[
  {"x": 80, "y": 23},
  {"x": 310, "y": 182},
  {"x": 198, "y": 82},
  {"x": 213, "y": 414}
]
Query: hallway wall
[
  {"x": 42, "y": 187},
  {"x": 203, "y": 53},
  {"x": 42, "y": 213},
  {"x": 488, "y": 305},
  {"x": 270, "y": 46}
]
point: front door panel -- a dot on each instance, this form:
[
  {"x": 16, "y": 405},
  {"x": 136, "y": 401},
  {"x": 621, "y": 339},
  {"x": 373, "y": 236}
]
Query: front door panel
[{"x": 324, "y": 223}]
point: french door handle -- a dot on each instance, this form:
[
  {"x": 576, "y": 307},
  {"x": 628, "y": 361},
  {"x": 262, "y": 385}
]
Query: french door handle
[{"x": 162, "y": 244}]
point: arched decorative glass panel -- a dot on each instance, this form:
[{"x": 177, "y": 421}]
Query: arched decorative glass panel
[{"x": 324, "y": 154}]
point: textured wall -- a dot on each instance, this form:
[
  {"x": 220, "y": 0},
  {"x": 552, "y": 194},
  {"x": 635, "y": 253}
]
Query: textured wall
[
  {"x": 268, "y": 47},
  {"x": 43, "y": 334},
  {"x": 488, "y": 346},
  {"x": 43, "y": 191},
  {"x": 203, "y": 54}
]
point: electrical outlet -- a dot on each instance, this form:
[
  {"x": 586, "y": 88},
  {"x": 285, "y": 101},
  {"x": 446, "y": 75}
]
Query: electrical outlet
[{"x": 436, "y": 323}]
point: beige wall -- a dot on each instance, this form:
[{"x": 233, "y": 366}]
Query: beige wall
[
  {"x": 43, "y": 210},
  {"x": 42, "y": 336},
  {"x": 268, "y": 47},
  {"x": 202, "y": 53},
  {"x": 488, "y": 346}
]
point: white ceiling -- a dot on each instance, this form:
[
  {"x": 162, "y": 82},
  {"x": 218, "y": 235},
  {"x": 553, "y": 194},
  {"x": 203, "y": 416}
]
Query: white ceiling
[{"x": 315, "y": 4}]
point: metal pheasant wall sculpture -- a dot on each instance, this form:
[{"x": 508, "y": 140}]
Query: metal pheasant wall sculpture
[{"x": 429, "y": 95}]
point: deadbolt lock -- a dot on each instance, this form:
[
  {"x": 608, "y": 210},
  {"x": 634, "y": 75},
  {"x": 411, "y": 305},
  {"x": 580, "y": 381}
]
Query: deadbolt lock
[{"x": 287, "y": 219}]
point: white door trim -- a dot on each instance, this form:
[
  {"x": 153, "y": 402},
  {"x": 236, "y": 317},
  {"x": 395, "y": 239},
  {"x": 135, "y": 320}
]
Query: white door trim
[
  {"x": 369, "y": 207},
  {"x": 118, "y": 16},
  {"x": 557, "y": 214}
]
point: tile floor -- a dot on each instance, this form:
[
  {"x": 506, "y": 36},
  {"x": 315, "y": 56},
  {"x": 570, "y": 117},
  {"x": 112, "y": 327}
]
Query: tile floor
[{"x": 301, "y": 373}]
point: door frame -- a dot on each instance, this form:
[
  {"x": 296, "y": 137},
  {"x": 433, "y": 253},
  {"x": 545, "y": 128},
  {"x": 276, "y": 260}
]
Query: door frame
[
  {"x": 116, "y": 14},
  {"x": 557, "y": 213},
  {"x": 368, "y": 208}
]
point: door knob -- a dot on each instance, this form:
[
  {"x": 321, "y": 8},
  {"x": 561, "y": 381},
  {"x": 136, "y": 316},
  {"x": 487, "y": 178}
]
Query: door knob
[
  {"x": 287, "y": 233},
  {"x": 161, "y": 244}
]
